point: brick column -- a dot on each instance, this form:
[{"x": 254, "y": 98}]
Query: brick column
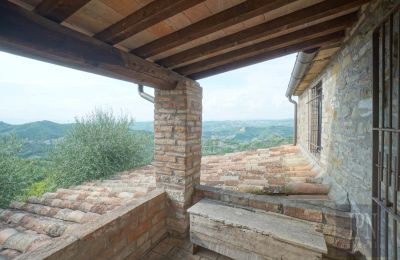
[{"x": 177, "y": 138}]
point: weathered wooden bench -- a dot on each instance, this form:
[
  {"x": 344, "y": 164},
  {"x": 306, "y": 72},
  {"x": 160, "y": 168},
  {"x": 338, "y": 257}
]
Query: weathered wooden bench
[{"x": 244, "y": 234}]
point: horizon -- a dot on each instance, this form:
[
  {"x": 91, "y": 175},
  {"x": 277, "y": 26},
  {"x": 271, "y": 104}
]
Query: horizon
[{"x": 245, "y": 120}]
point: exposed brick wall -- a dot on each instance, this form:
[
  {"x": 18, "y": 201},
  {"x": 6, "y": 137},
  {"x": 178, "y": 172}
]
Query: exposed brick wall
[
  {"x": 336, "y": 225},
  {"x": 127, "y": 232},
  {"x": 177, "y": 138}
]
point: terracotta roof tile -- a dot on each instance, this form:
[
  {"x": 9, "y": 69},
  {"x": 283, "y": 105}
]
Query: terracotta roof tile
[
  {"x": 29, "y": 225},
  {"x": 278, "y": 170},
  {"x": 40, "y": 220}
]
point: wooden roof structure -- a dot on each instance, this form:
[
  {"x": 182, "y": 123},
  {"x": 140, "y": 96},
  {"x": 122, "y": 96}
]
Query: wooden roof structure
[{"x": 160, "y": 42}]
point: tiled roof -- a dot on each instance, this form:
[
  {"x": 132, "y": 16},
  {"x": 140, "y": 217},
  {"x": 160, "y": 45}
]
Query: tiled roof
[
  {"x": 277, "y": 170},
  {"x": 39, "y": 221},
  {"x": 26, "y": 226}
]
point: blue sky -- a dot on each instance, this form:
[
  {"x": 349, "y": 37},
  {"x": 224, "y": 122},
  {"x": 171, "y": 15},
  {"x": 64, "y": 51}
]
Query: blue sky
[{"x": 31, "y": 90}]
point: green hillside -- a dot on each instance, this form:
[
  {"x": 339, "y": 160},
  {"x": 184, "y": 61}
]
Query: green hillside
[
  {"x": 38, "y": 137},
  {"x": 38, "y": 131},
  {"x": 231, "y": 136},
  {"x": 218, "y": 136}
]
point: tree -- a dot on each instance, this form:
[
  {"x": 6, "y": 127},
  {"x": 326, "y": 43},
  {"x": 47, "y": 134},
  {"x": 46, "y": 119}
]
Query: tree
[
  {"x": 98, "y": 146},
  {"x": 16, "y": 174}
]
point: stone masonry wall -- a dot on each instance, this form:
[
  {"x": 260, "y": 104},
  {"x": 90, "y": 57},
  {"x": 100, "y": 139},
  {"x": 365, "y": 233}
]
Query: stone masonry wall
[
  {"x": 127, "y": 232},
  {"x": 347, "y": 120},
  {"x": 177, "y": 138}
]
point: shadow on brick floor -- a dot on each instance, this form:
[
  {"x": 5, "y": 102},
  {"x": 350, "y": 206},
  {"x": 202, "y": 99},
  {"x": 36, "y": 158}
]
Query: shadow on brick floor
[{"x": 172, "y": 249}]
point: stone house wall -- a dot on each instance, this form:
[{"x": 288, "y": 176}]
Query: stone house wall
[
  {"x": 127, "y": 232},
  {"x": 347, "y": 120}
]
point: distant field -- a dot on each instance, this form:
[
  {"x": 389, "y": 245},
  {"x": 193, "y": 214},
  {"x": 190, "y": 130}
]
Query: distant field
[{"x": 218, "y": 136}]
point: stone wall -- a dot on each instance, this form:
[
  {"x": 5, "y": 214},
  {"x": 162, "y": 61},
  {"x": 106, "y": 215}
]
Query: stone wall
[
  {"x": 347, "y": 120},
  {"x": 177, "y": 138},
  {"x": 127, "y": 232}
]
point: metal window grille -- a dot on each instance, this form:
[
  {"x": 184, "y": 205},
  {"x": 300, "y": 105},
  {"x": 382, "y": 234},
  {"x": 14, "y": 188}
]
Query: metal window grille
[
  {"x": 386, "y": 137},
  {"x": 315, "y": 119}
]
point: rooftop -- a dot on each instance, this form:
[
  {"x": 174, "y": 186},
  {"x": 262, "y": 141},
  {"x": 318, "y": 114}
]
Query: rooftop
[
  {"x": 279, "y": 170},
  {"x": 40, "y": 221}
]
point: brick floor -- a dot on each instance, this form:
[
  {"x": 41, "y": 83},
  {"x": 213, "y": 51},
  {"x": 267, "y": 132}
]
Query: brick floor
[{"x": 173, "y": 249}]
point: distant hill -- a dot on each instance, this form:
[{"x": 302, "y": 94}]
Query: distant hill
[
  {"x": 38, "y": 137},
  {"x": 36, "y": 131},
  {"x": 231, "y": 136},
  {"x": 247, "y": 130},
  {"x": 218, "y": 136}
]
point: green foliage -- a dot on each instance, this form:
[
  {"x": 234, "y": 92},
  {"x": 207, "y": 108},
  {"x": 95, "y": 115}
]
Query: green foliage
[
  {"x": 16, "y": 174},
  {"x": 39, "y": 188},
  {"x": 39, "y": 137},
  {"x": 98, "y": 146},
  {"x": 101, "y": 144},
  {"x": 94, "y": 148}
]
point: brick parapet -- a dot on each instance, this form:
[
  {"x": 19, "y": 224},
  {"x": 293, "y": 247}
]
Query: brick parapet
[{"x": 127, "y": 232}]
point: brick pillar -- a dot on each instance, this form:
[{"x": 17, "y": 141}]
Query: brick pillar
[{"x": 177, "y": 138}]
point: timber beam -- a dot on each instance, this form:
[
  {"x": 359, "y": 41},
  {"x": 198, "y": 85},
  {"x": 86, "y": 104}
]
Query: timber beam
[
  {"x": 59, "y": 10},
  {"x": 297, "y": 37},
  {"x": 330, "y": 39},
  {"x": 28, "y": 34},
  {"x": 297, "y": 20},
  {"x": 144, "y": 18},
  {"x": 219, "y": 21}
]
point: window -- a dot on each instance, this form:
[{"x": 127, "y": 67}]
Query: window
[{"x": 315, "y": 119}]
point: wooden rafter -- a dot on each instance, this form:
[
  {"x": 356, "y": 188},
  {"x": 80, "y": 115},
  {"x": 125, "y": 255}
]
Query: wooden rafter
[
  {"x": 25, "y": 33},
  {"x": 314, "y": 43},
  {"x": 231, "y": 16},
  {"x": 329, "y": 8},
  {"x": 59, "y": 10},
  {"x": 297, "y": 37},
  {"x": 143, "y": 18}
]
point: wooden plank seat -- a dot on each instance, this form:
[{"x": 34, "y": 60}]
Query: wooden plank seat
[{"x": 245, "y": 234}]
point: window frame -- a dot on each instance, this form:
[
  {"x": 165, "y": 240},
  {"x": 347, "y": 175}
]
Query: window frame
[{"x": 315, "y": 98}]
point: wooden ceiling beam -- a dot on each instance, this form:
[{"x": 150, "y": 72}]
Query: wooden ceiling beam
[
  {"x": 27, "y": 34},
  {"x": 297, "y": 37},
  {"x": 221, "y": 20},
  {"x": 307, "y": 45},
  {"x": 329, "y": 8},
  {"x": 59, "y": 10},
  {"x": 143, "y": 18}
]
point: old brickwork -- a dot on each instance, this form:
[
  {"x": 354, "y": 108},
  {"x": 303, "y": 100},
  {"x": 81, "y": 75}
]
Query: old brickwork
[
  {"x": 127, "y": 232},
  {"x": 177, "y": 138},
  {"x": 346, "y": 121}
]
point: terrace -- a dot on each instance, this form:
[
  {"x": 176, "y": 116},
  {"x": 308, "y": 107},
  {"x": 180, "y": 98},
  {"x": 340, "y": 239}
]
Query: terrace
[{"x": 333, "y": 195}]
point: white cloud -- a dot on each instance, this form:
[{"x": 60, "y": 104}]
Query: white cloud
[
  {"x": 255, "y": 92},
  {"x": 32, "y": 90}
]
